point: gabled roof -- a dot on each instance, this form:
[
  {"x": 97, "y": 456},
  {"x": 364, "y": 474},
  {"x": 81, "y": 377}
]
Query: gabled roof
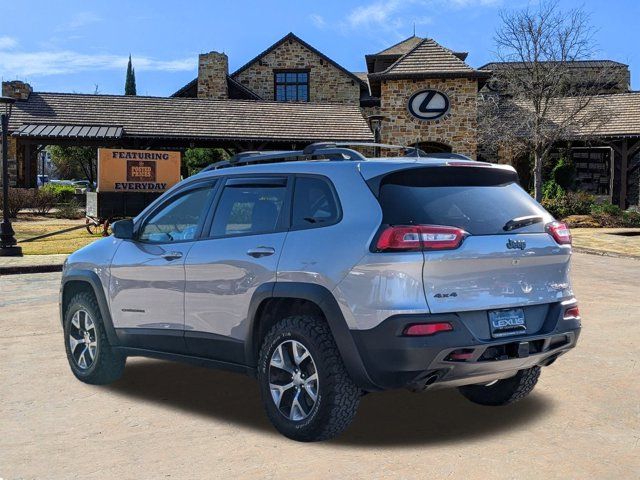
[
  {"x": 294, "y": 38},
  {"x": 428, "y": 58},
  {"x": 178, "y": 118},
  {"x": 236, "y": 90}
]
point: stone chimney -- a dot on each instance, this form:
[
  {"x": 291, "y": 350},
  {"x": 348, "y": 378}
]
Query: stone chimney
[
  {"x": 16, "y": 89},
  {"x": 213, "y": 68}
]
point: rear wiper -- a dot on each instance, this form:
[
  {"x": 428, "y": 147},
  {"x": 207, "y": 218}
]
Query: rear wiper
[{"x": 520, "y": 222}]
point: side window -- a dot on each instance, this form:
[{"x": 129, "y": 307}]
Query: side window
[
  {"x": 244, "y": 209},
  {"x": 179, "y": 220},
  {"x": 314, "y": 203}
]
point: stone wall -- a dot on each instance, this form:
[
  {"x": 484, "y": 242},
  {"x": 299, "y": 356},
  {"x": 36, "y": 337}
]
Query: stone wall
[
  {"x": 16, "y": 89},
  {"x": 458, "y": 128},
  {"x": 213, "y": 68},
  {"x": 326, "y": 82}
]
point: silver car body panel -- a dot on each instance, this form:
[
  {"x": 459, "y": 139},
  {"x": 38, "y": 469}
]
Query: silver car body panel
[
  {"x": 221, "y": 278},
  {"x": 214, "y": 294}
]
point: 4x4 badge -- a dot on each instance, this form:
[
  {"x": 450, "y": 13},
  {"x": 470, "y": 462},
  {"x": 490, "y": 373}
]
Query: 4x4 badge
[{"x": 516, "y": 244}]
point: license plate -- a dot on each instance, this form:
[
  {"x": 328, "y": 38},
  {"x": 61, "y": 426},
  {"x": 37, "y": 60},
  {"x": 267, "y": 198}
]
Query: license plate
[{"x": 504, "y": 323}]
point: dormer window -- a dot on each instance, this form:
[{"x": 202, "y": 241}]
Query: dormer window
[{"x": 291, "y": 85}]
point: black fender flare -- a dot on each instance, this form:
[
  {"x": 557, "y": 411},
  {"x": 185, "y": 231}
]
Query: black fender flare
[
  {"x": 327, "y": 303},
  {"x": 91, "y": 278}
]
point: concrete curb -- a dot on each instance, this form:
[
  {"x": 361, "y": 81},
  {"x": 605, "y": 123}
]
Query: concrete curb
[
  {"x": 20, "y": 269},
  {"x": 602, "y": 253}
]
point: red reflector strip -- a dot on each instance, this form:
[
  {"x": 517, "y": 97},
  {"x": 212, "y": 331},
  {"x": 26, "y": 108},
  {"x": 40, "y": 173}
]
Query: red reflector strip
[
  {"x": 571, "y": 312},
  {"x": 423, "y": 329}
]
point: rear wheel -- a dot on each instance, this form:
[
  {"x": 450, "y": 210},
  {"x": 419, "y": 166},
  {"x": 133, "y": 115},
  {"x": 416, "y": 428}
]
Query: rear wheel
[
  {"x": 504, "y": 391},
  {"x": 91, "y": 357},
  {"x": 306, "y": 390}
]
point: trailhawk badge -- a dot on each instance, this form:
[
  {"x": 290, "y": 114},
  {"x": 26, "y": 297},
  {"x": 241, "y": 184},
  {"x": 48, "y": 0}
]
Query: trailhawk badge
[{"x": 428, "y": 104}]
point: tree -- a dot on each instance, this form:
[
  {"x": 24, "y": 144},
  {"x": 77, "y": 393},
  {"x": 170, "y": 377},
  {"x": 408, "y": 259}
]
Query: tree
[
  {"x": 539, "y": 99},
  {"x": 195, "y": 159},
  {"x": 130, "y": 82},
  {"x": 75, "y": 162}
]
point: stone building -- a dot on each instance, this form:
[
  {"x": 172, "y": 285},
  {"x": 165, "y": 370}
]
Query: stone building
[{"x": 416, "y": 92}]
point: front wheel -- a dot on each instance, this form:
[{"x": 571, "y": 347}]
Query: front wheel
[
  {"x": 504, "y": 391},
  {"x": 306, "y": 390},
  {"x": 91, "y": 357}
]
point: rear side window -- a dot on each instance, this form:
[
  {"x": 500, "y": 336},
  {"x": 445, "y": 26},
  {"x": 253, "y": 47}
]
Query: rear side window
[
  {"x": 314, "y": 203},
  {"x": 248, "y": 210},
  {"x": 480, "y": 201}
]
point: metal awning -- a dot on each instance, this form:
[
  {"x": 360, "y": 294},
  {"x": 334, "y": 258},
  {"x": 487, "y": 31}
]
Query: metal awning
[{"x": 68, "y": 131}]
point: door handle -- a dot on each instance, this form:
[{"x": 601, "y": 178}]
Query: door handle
[
  {"x": 261, "y": 252},
  {"x": 171, "y": 256}
]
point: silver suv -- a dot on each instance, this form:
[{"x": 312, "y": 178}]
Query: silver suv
[{"x": 325, "y": 275}]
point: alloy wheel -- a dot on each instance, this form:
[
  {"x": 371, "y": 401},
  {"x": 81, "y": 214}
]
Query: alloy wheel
[
  {"x": 83, "y": 342},
  {"x": 293, "y": 380}
]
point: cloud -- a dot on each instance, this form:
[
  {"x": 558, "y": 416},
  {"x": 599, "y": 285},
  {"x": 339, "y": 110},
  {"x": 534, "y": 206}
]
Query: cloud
[
  {"x": 379, "y": 12},
  {"x": 7, "y": 43},
  {"x": 317, "y": 20},
  {"x": 82, "y": 19},
  {"x": 23, "y": 64}
]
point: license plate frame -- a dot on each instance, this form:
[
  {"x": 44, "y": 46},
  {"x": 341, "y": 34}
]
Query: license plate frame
[{"x": 507, "y": 322}]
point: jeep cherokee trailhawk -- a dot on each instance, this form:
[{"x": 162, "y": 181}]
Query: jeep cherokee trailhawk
[{"x": 326, "y": 274}]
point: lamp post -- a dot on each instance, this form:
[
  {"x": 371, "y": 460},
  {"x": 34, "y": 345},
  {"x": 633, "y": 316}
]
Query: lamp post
[{"x": 8, "y": 242}]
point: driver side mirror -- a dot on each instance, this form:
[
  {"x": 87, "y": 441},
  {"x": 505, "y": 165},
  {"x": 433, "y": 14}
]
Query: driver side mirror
[{"x": 123, "y": 229}]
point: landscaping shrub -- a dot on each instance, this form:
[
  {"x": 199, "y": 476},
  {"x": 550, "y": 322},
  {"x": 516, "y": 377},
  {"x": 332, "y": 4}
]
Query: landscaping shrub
[
  {"x": 63, "y": 193},
  {"x": 19, "y": 199},
  {"x": 564, "y": 173},
  {"x": 70, "y": 210},
  {"x": 569, "y": 203},
  {"x": 43, "y": 201}
]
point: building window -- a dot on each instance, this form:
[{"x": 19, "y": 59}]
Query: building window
[{"x": 292, "y": 86}]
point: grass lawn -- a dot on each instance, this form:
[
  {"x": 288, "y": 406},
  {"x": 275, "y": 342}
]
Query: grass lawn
[{"x": 27, "y": 226}]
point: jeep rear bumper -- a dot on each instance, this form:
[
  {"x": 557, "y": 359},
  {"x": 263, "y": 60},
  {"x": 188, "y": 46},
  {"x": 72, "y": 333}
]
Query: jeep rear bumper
[{"x": 457, "y": 357}]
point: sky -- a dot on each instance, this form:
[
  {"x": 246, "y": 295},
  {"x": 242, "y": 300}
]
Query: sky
[{"x": 83, "y": 45}]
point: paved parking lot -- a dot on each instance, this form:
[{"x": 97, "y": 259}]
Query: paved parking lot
[{"x": 165, "y": 420}]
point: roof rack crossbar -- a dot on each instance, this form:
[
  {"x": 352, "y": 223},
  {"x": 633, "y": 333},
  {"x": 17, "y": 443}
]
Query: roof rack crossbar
[{"x": 329, "y": 150}]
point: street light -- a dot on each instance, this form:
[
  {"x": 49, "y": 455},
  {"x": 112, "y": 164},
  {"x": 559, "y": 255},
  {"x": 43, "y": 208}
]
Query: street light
[{"x": 8, "y": 242}]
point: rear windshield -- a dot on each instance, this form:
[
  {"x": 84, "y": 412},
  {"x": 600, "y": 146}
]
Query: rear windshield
[{"x": 480, "y": 202}]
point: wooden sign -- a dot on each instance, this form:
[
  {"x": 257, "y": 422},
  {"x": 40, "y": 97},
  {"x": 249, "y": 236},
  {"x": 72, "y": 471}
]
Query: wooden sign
[{"x": 137, "y": 170}]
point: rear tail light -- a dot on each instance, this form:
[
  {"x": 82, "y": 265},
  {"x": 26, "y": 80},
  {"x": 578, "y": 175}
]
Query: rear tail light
[
  {"x": 420, "y": 237},
  {"x": 560, "y": 232},
  {"x": 424, "y": 329},
  {"x": 571, "y": 313}
]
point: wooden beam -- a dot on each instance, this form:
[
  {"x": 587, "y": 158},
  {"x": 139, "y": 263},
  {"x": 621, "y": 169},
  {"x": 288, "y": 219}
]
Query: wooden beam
[{"x": 624, "y": 161}]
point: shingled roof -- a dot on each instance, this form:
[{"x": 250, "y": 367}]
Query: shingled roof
[
  {"x": 605, "y": 116},
  {"x": 192, "y": 118},
  {"x": 429, "y": 59},
  {"x": 402, "y": 47},
  {"x": 494, "y": 66}
]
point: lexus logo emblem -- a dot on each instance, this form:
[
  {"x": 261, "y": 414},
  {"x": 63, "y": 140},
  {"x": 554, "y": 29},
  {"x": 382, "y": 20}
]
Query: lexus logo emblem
[{"x": 428, "y": 104}]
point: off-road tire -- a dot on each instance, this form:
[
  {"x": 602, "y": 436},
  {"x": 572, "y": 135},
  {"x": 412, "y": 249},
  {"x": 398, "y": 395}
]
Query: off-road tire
[
  {"x": 338, "y": 397},
  {"x": 108, "y": 364},
  {"x": 504, "y": 391}
]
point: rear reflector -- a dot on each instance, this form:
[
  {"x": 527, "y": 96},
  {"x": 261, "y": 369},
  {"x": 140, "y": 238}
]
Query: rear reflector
[
  {"x": 420, "y": 237},
  {"x": 560, "y": 232},
  {"x": 423, "y": 329},
  {"x": 460, "y": 355},
  {"x": 571, "y": 313}
]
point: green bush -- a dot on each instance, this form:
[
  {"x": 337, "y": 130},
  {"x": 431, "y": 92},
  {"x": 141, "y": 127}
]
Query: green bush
[
  {"x": 551, "y": 190},
  {"x": 607, "y": 209},
  {"x": 63, "y": 193},
  {"x": 570, "y": 203},
  {"x": 71, "y": 210},
  {"x": 564, "y": 173}
]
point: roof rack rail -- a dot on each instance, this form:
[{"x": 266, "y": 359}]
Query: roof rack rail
[{"x": 329, "y": 150}]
